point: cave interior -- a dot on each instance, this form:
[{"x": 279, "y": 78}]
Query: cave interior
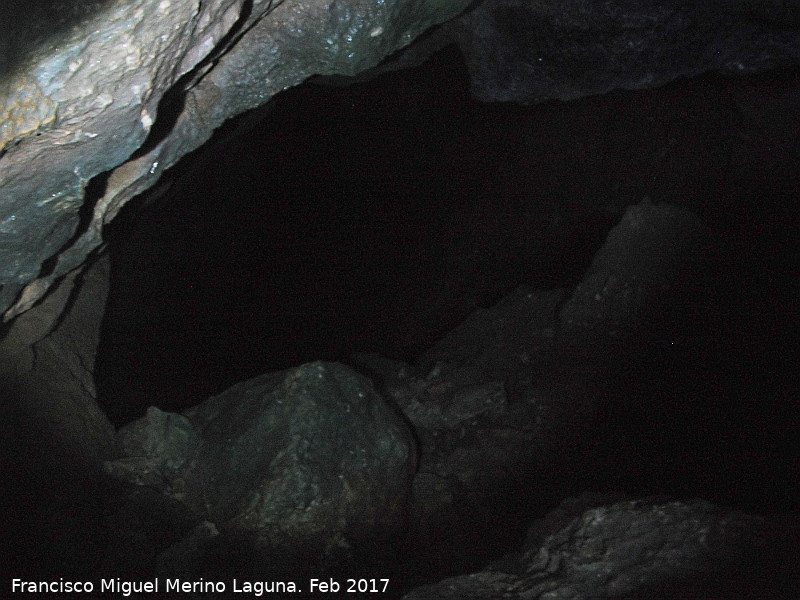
[{"x": 375, "y": 217}]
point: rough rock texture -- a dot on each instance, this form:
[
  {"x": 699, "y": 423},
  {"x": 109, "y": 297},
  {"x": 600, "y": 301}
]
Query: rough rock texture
[
  {"x": 123, "y": 89},
  {"x": 501, "y": 409},
  {"x": 503, "y": 405},
  {"x": 47, "y": 372},
  {"x": 635, "y": 549},
  {"x": 305, "y": 460},
  {"x": 651, "y": 259},
  {"x": 653, "y": 253},
  {"x": 53, "y": 434},
  {"x": 528, "y": 52},
  {"x": 522, "y": 51},
  {"x": 128, "y": 87}
]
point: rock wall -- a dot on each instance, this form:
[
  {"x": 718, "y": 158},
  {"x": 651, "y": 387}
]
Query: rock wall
[
  {"x": 93, "y": 113},
  {"x": 525, "y": 52},
  {"x": 98, "y": 100},
  {"x": 126, "y": 91},
  {"x": 47, "y": 374}
]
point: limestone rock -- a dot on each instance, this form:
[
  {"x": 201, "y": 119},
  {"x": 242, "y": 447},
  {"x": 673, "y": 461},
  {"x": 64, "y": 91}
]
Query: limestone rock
[
  {"x": 633, "y": 549},
  {"x": 310, "y": 457},
  {"x": 527, "y": 52},
  {"x": 80, "y": 103},
  {"x": 503, "y": 405},
  {"x": 125, "y": 88},
  {"x": 97, "y": 98},
  {"x": 53, "y": 435},
  {"x": 47, "y": 374},
  {"x": 655, "y": 251}
]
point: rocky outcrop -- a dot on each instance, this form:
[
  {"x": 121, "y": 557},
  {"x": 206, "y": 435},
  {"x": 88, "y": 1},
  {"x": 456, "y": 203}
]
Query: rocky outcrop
[
  {"x": 435, "y": 468},
  {"x": 127, "y": 88},
  {"x": 97, "y": 102},
  {"x": 635, "y": 550},
  {"x": 503, "y": 406},
  {"x": 47, "y": 374},
  {"x": 527, "y": 52},
  {"x": 501, "y": 411},
  {"x": 53, "y": 434},
  {"x": 305, "y": 463}
]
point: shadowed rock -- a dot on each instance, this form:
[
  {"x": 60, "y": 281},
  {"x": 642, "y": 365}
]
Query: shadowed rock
[
  {"x": 634, "y": 549},
  {"x": 305, "y": 460}
]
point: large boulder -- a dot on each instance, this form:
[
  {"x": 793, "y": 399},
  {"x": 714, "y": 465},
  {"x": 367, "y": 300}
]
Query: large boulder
[
  {"x": 303, "y": 461},
  {"x": 504, "y": 405}
]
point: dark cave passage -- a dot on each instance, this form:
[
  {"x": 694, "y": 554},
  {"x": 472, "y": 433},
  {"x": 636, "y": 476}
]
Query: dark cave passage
[
  {"x": 375, "y": 218},
  {"x": 368, "y": 218}
]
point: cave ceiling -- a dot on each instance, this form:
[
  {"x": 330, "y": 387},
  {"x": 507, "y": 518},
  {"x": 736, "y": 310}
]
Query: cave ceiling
[{"x": 99, "y": 98}]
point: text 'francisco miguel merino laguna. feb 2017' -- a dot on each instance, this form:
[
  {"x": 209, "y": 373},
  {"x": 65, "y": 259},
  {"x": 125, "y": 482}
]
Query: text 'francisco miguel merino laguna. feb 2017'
[{"x": 155, "y": 586}]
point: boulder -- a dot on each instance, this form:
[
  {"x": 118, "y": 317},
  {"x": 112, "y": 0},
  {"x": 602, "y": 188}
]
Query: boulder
[
  {"x": 305, "y": 460},
  {"x": 635, "y": 549},
  {"x": 504, "y": 405}
]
